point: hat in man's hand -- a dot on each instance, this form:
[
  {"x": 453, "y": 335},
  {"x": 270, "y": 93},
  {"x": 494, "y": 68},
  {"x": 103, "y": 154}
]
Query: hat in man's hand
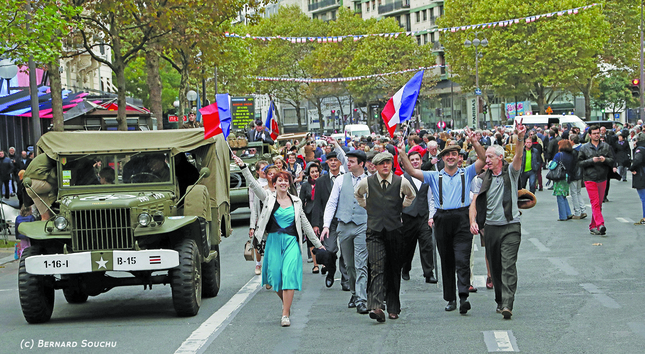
[{"x": 326, "y": 258}]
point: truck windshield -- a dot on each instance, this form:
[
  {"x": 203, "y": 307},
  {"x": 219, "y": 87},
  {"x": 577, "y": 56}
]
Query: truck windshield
[{"x": 114, "y": 169}]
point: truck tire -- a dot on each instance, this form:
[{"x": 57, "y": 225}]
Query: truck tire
[
  {"x": 74, "y": 294},
  {"x": 211, "y": 276},
  {"x": 186, "y": 279},
  {"x": 36, "y": 291}
]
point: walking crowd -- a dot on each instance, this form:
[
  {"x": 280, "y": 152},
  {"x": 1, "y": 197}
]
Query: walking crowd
[{"x": 368, "y": 202}]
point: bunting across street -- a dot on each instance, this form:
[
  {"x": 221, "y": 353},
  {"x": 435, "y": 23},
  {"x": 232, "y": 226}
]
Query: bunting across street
[
  {"x": 356, "y": 37},
  {"x": 341, "y": 79}
]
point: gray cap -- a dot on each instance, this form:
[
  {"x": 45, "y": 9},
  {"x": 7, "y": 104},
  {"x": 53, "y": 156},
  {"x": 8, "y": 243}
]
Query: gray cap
[
  {"x": 640, "y": 137},
  {"x": 382, "y": 156},
  {"x": 370, "y": 155}
]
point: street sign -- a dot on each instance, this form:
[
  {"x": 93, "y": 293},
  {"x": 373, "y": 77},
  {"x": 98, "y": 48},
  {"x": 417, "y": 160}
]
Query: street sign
[
  {"x": 616, "y": 115},
  {"x": 173, "y": 119},
  {"x": 478, "y": 91},
  {"x": 441, "y": 125}
]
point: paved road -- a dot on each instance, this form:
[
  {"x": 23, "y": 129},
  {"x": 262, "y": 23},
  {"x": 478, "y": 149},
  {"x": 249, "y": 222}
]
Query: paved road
[{"x": 577, "y": 293}]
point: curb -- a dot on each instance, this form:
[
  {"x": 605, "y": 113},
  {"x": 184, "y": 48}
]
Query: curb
[{"x": 7, "y": 259}]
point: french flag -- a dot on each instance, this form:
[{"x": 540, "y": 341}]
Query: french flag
[
  {"x": 400, "y": 107},
  {"x": 217, "y": 116},
  {"x": 271, "y": 123}
]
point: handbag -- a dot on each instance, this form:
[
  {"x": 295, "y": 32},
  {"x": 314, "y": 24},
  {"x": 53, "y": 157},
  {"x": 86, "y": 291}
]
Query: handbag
[
  {"x": 248, "y": 250},
  {"x": 557, "y": 171}
]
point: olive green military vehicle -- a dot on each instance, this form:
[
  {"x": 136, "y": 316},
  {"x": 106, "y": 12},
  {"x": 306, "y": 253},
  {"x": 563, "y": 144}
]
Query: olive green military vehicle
[
  {"x": 132, "y": 208},
  {"x": 251, "y": 153}
]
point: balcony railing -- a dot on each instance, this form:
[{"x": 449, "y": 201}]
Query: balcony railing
[
  {"x": 320, "y": 4},
  {"x": 397, "y": 5}
]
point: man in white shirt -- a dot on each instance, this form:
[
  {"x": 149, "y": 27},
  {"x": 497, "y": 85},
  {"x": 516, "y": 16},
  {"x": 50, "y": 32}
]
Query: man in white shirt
[{"x": 352, "y": 219}]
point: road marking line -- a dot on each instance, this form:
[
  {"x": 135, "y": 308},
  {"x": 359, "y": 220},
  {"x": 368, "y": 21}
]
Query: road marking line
[
  {"x": 625, "y": 220},
  {"x": 524, "y": 232},
  {"x": 8, "y": 289},
  {"x": 210, "y": 329},
  {"x": 539, "y": 245},
  {"x": 500, "y": 341},
  {"x": 600, "y": 296},
  {"x": 563, "y": 265}
]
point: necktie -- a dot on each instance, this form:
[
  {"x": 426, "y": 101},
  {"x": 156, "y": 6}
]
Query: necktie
[{"x": 384, "y": 184}]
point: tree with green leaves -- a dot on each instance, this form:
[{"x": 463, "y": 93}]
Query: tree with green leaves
[
  {"x": 538, "y": 59},
  {"x": 614, "y": 94}
]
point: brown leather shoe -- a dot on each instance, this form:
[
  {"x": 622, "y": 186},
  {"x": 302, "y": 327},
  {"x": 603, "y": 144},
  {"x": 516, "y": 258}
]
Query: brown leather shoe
[
  {"x": 576, "y": 217},
  {"x": 393, "y": 316},
  {"x": 377, "y": 315}
]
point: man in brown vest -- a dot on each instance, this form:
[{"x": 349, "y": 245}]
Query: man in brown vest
[
  {"x": 384, "y": 195},
  {"x": 495, "y": 206}
]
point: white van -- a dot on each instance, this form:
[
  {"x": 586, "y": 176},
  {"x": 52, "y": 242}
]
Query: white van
[
  {"x": 540, "y": 120},
  {"x": 357, "y": 130}
]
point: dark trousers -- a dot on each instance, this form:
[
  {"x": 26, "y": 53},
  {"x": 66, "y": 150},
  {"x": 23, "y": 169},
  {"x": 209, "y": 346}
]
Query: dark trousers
[
  {"x": 384, "y": 249},
  {"x": 331, "y": 245},
  {"x": 416, "y": 229},
  {"x": 539, "y": 177},
  {"x": 5, "y": 184},
  {"x": 502, "y": 246},
  {"x": 454, "y": 243},
  {"x": 529, "y": 176}
]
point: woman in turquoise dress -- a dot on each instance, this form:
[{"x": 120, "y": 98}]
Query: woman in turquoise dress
[{"x": 285, "y": 222}]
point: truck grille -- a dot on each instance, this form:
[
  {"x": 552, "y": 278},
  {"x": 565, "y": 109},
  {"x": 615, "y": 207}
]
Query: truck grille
[{"x": 106, "y": 229}]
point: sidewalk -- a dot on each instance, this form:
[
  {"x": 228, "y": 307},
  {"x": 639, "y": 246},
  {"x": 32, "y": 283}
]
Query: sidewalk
[{"x": 6, "y": 255}]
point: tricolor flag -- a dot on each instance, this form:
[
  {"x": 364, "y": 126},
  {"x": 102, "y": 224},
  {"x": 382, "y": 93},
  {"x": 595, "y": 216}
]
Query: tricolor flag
[
  {"x": 271, "y": 123},
  {"x": 217, "y": 117},
  {"x": 400, "y": 107}
]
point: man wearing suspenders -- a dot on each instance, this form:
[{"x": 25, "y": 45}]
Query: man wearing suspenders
[{"x": 451, "y": 190}]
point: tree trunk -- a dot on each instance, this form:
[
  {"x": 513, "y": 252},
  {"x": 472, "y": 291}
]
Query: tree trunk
[
  {"x": 57, "y": 98},
  {"x": 121, "y": 102},
  {"x": 154, "y": 83},
  {"x": 539, "y": 91},
  {"x": 586, "y": 93},
  {"x": 183, "y": 89},
  {"x": 321, "y": 118},
  {"x": 297, "y": 107}
]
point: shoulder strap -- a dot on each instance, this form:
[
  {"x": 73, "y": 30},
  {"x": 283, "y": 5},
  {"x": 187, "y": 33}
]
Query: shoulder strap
[
  {"x": 441, "y": 191},
  {"x": 463, "y": 188}
]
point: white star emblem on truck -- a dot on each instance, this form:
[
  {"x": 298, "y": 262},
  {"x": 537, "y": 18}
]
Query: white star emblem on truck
[{"x": 101, "y": 263}]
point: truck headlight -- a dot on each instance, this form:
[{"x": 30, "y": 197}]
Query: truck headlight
[
  {"x": 60, "y": 223},
  {"x": 144, "y": 219}
]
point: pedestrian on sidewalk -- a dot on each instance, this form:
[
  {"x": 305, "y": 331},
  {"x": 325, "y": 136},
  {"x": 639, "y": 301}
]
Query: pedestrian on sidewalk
[
  {"x": 561, "y": 188},
  {"x": 25, "y": 216},
  {"x": 596, "y": 159}
]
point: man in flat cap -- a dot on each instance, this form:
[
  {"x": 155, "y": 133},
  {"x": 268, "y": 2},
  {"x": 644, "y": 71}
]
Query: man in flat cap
[
  {"x": 259, "y": 134},
  {"x": 351, "y": 219},
  {"x": 451, "y": 192},
  {"x": 384, "y": 195}
]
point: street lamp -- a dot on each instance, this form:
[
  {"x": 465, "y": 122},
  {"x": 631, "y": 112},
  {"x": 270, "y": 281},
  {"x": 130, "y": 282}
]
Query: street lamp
[{"x": 476, "y": 42}]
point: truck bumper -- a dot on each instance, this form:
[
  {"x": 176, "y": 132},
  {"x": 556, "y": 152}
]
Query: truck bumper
[{"x": 98, "y": 261}]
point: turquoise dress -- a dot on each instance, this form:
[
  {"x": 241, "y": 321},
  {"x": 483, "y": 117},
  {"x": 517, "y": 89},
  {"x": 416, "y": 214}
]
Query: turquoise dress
[{"x": 282, "y": 267}]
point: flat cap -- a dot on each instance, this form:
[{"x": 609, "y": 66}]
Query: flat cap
[
  {"x": 358, "y": 154},
  {"x": 370, "y": 155},
  {"x": 332, "y": 154},
  {"x": 382, "y": 156}
]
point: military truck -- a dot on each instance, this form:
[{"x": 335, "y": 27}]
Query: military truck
[
  {"x": 132, "y": 208},
  {"x": 251, "y": 153}
]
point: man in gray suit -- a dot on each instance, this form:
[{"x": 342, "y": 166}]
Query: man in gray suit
[{"x": 352, "y": 219}]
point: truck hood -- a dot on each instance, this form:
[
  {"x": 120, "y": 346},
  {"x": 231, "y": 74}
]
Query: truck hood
[{"x": 114, "y": 200}]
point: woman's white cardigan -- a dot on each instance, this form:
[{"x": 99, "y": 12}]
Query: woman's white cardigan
[{"x": 269, "y": 200}]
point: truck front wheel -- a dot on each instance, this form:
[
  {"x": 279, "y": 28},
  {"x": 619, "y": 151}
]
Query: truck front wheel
[
  {"x": 186, "y": 279},
  {"x": 36, "y": 291},
  {"x": 74, "y": 293},
  {"x": 211, "y": 276}
]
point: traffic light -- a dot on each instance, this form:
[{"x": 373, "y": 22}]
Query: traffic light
[
  {"x": 355, "y": 110},
  {"x": 485, "y": 110},
  {"x": 635, "y": 88}
]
